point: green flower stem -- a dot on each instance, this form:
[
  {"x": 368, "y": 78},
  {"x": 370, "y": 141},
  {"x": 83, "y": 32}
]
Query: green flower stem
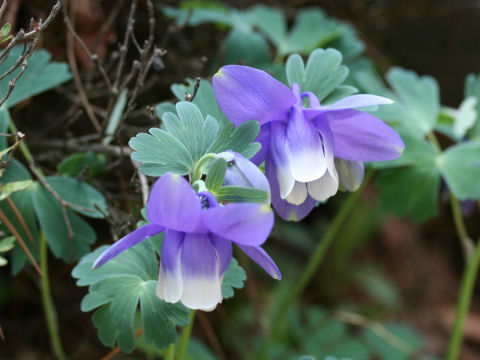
[
  {"x": 170, "y": 353},
  {"x": 465, "y": 240},
  {"x": 182, "y": 346},
  {"x": 322, "y": 247},
  {"x": 197, "y": 170},
  {"x": 465, "y": 297},
  {"x": 47, "y": 301}
]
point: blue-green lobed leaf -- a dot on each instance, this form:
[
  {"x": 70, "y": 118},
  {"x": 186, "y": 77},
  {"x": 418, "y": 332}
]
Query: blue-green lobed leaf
[{"x": 117, "y": 289}]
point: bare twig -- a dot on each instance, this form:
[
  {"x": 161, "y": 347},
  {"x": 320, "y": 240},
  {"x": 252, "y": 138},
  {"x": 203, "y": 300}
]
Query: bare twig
[
  {"x": 189, "y": 97},
  {"x": 76, "y": 75},
  {"x": 3, "y": 8},
  {"x": 43, "y": 25},
  {"x": 21, "y": 220},
  {"x": 17, "y": 236},
  {"x": 3, "y": 165},
  {"x": 124, "y": 46},
  {"x": 93, "y": 57},
  {"x": 62, "y": 202},
  {"x": 143, "y": 182}
]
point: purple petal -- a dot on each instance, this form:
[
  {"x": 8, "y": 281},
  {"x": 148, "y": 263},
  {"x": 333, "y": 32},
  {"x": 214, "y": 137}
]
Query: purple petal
[
  {"x": 283, "y": 208},
  {"x": 264, "y": 139},
  {"x": 127, "y": 242},
  {"x": 260, "y": 256},
  {"x": 245, "y": 173},
  {"x": 245, "y": 93},
  {"x": 223, "y": 247},
  {"x": 243, "y": 223},
  {"x": 170, "y": 283},
  {"x": 356, "y": 101},
  {"x": 363, "y": 137},
  {"x": 278, "y": 160},
  {"x": 304, "y": 148},
  {"x": 350, "y": 173},
  {"x": 200, "y": 273},
  {"x": 174, "y": 204}
]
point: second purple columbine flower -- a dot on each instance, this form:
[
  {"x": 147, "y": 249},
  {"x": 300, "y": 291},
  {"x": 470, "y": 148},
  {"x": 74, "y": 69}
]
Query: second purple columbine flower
[
  {"x": 303, "y": 146},
  {"x": 197, "y": 247}
]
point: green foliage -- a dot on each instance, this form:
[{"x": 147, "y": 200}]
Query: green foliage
[
  {"x": 233, "y": 279},
  {"x": 216, "y": 175},
  {"x": 330, "y": 335},
  {"x": 41, "y": 210},
  {"x": 186, "y": 137},
  {"x": 115, "y": 291},
  {"x": 416, "y": 105},
  {"x": 411, "y": 191},
  {"x": 7, "y": 189},
  {"x": 76, "y": 164},
  {"x": 456, "y": 122},
  {"x": 472, "y": 89},
  {"x": 460, "y": 166},
  {"x": 246, "y": 42},
  {"x": 411, "y": 185},
  {"x": 126, "y": 283},
  {"x": 322, "y": 75},
  {"x": 6, "y": 244},
  {"x": 115, "y": 116},
  {"x": 204, "y": 99},
  {"x": 40, "y": 75}
]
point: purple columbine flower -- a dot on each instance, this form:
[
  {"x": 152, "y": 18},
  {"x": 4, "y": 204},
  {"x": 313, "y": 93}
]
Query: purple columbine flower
[
  {"x": 197, "y": 247},
  {"x": 300, "y": 144},
  {"x": 242, "y": 172}
]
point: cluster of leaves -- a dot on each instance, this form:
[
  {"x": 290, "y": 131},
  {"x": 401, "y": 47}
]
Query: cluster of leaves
[
  {"x": 411, "y": 184},
  {"x": 252, "y": 31},
  {"x": 40, "y": 214},
  {"x": 325, "y": 335}
]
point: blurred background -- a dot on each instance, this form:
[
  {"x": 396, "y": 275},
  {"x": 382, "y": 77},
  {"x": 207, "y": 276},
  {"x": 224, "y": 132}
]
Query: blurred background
[{"x": 389, "y": 269}]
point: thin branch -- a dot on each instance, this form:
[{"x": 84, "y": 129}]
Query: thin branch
[
  {"x": 3, "y": 8},
  {"x": 77, "y": 80},
  {"x": 62, "y": 202},
  {"x": 124, "y": 46},
  {"x": 189, "y": 97},
  {"x": 17, "y": 236},
  {"x": 143, "y": 182},
  {"x": 55, "y": 9},
  {"x": 21, "y": 220},
  {"x": 93, "y": 57}
]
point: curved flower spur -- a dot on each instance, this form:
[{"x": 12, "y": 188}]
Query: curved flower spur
[
  {"x": 307, "y": 150},
  {"x": 197, "y": 247}
]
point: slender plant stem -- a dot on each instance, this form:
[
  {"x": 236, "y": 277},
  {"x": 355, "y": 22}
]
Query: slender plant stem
[
  {"x": 472, "y": 262},
  {"x": 182, "y": 346},
  {"x": 314, "y": 262},
  {"x": 170, "y": 352},
  {"x": 466, "y": 242},
  {"x": 47, "y": 301},
  {"x": 465, "y": 297}
]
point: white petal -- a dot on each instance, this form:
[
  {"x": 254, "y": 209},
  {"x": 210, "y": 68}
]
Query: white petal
[
  {"x": 350, "y": 173},
  {"x": 285, "y": 180},
  {"x": 170, "y": 285},
  {"x": 308, "y": 165},
  {"x": 323, "y": 188},
  {"x": 298, "y": 194},
  {"x": 202, "y": 293}
]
